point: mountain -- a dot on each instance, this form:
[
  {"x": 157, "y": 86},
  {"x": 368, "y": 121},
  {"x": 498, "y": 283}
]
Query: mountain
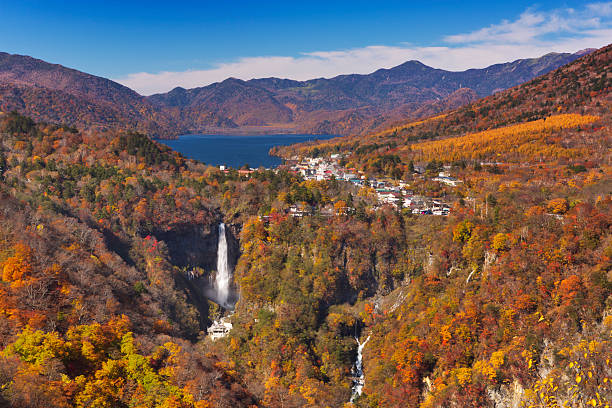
[
  {"x": 346, "y": 104},
  {"x": 234, "y": 100},
  {"x": 54, "y": 93},
  {"x": 581, "y": 87},
  {"x": 488, "y": 286},
  {"x": 504, "y": 277},
  {"x": 24, "y": 70},
  {"x": 409, "y": 82},
  {"x": 353, "y": 103}
]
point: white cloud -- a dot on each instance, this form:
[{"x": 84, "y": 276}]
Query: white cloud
[
  {"x": 601, "y": 9},
  {"x": 533, "y": 34},
  {"x": 532, "y": 25}
]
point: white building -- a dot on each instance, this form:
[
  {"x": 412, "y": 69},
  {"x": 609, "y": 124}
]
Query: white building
[
  {"x": 444, "y": 177},
  {"x": 220, "y": 328}
]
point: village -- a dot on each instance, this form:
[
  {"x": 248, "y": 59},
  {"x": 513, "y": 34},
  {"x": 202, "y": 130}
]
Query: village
[{"x": 396, "y": 193}]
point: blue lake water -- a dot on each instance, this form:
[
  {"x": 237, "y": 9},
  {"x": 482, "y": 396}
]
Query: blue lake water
[{"x": 236, "y": 151}]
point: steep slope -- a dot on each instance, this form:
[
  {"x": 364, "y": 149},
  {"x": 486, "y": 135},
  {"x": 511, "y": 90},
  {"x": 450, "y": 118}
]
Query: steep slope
[
  {"x": 54, "y": 93},
  {"x": 24, "y": 70},
  {"x": 580, "y": 87},
  {"x": 93, "y": 311},
  {"x": 61, "y": 107},
  {"x": 504, "y": 302}
]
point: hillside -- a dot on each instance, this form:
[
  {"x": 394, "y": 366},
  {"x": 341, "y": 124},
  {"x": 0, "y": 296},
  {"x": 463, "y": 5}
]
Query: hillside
[
  {"x": 24, "y": 70},
  {"x": 54, "y": 93},
  {"x": 507, "y": 306},
  {"x": 232, "y": 99},
  {"x": 109, "y": 246},
  {"x": 347, "y": 104},
  {"x": 580, "y": 87}
]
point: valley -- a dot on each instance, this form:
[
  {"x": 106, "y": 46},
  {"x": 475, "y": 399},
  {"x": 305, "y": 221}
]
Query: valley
[{"x": 452, "y": 247}]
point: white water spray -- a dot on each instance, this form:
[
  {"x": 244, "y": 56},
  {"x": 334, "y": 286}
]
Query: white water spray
[
  {"x": 358, "y": 375},
  {"x": 224, "y": 274}
]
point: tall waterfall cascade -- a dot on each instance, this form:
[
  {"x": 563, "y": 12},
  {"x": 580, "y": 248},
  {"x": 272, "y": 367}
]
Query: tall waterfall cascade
[
  {"x": 221, "y": 327},
  {"x": 224, "y": 273},
  {"x": 358, "y": 375}
]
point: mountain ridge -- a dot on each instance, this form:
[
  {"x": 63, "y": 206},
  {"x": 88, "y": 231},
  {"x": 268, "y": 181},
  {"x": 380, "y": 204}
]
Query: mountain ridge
[
  {"x": 478, "y": 273},
  {"x": 581, "y": 87},
  {"x": 345, "y": 104}
]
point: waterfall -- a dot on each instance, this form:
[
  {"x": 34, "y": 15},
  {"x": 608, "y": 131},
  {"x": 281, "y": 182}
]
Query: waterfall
[
  {"x": 470, "y": 276},
  {"x": 358, "y": 375},
  {"x": 224, "y": 274}
]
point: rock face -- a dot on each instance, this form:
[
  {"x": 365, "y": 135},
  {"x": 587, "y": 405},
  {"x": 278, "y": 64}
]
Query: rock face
[
  {"x": 192, "y": 246},
  {"x": 506, "y": 396},
  {"x": 233, "y": 244},
  {"x": 195, "y": 246}
]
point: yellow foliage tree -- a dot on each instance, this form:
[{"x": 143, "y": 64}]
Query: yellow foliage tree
[
  {"x": 558, "y": 206},
  {"x": 501, "y": 242},
  {"x": 517, "y": 142},
  {"x": 16, "y": 267}
]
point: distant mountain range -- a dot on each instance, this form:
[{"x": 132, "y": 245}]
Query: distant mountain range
[
  {"x": 581, "y": 87},
  {"x": 346, "y": 104}
]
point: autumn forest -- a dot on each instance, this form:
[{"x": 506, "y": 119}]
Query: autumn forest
[{"x": 109, "y": 239}]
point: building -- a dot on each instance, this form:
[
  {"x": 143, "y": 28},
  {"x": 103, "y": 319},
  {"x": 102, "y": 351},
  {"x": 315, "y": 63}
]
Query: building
[
  {"x": 220, "y": 328},
  {"x": 245, "y": 172},
  {"x": 444, "y": 177},
  {"x": 300, "y": 210}
]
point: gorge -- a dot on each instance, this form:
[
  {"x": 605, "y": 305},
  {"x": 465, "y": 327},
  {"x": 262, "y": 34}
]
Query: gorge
[{"x": 118, "y": 255}]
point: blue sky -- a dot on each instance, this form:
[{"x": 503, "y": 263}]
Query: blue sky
[{"x": 153, "y": 46}]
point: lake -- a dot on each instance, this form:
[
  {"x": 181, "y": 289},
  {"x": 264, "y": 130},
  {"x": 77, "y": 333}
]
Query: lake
[{"x": 234, "y": 150}]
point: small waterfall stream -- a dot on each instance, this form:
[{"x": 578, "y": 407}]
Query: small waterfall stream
[
  {"x": 224, "y": 274},
  {"x": 358, "y": 375}
]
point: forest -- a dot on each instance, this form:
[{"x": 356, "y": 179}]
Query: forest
[{"x": 506, "y": 302}]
